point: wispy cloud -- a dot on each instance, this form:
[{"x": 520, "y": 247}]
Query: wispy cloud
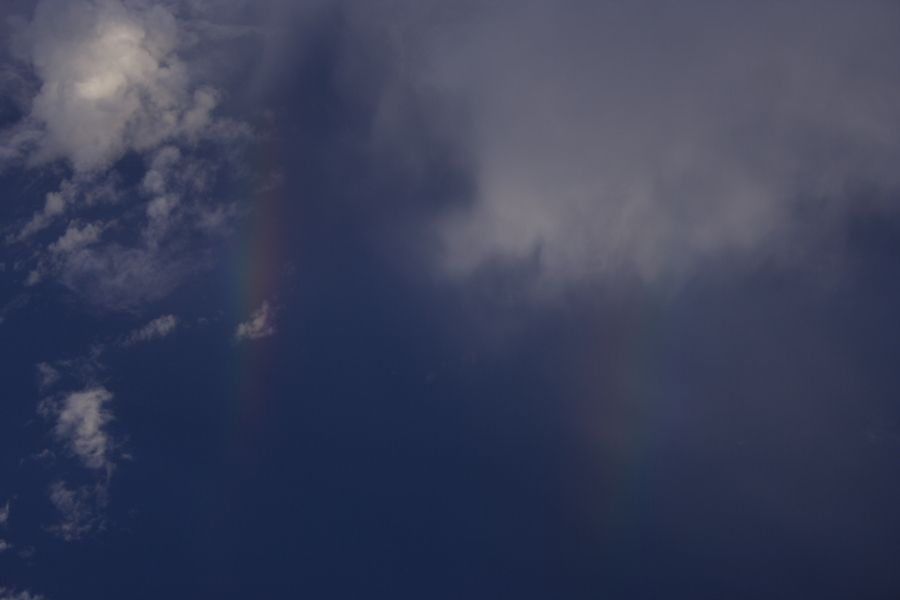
[
  {"x": 80, "y": 509},
  {"x": 112, "y": 81},
  {"x": 12, "y": 594},
  {"x": 81, "y": 422},
  {"x": 259, "y": 325},
  {"x": 156, "y": 329},
  {"x": 4, "y": 518},
  {"x": 47, "y": 375}
]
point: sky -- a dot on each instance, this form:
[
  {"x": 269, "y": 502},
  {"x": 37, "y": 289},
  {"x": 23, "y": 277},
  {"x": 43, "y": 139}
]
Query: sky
[{"x": 420, "y": 299}]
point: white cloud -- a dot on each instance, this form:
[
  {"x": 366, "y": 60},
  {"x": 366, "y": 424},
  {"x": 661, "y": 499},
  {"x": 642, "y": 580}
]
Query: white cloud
[
  {"x": 81, "y": 424},
  {"x": 47, "y": 375},
  {"x": 259, "y": 325},
  {"x": 156, "y": 329},
  {"x": 157, "y": 178},
  {"x": 54, "y": 206},
  {"x": 4, "y": 546},
  {"x": 80, "y": 509},
  {"x": 73, "y": 194},
  {"x": 12, "y": 594},
  {"x": 4, "y": 514},
  {"x": 111, "y": 81},
  {"x": 77, "y": 236}
]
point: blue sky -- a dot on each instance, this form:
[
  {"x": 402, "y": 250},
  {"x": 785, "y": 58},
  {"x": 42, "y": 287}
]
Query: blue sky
[{"x": 332, "y": 299}]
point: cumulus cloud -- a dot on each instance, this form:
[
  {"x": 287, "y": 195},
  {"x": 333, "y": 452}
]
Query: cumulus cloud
[
  {"x": 156, "y": 329},
  {"x": 259, "y": 325},
  {"x": 4, "y": 546},
  {"x": 123, "y": 277},
  {"x": 4, "y": 514},
  {"x": 81, "y": 422},
  {"x": 604, "y": 138},
  {"x": 111, "y": 81},
  {"x": 76, "y": 192}
]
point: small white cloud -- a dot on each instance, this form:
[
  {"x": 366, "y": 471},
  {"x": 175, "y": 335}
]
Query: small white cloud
[
  {"x": 54, "y": 205},
  {"x": 81, "y": 424},
  {"x": 4, "y": 514},
  {"x": 11, "y": 594},
  {"x": 156, "y": 329},
  {"x": 79, "y": 508},
  {"x": 76, "y": 237},
  {"x": 259, "y": 325},
  {"x": 47, "y": 375},
  {"x": 4, "y": 546}
]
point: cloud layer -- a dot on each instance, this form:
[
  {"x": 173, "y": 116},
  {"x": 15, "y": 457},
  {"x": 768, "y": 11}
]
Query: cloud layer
[{"x": 627, "y": 137}]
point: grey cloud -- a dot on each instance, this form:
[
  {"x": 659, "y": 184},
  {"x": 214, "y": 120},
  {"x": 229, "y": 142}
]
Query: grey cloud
[
  {"x": 647, "y": 138},
  {"x": 74, "y": 193},
  {"x": 77, "y": 236}
]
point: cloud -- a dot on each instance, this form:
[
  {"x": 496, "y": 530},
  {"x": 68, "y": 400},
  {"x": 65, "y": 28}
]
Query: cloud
[
  {"x": 4, "y": 514},
  {"x": 12, "y": 594},
  {"x": 80, "y": 509},
  {"x": 604, "y": 140},
  {"x": 156, "y": 329},
  {"x": 111, "y": 80},
  {"x": 54, "y": 206},
  {"x": 78, "y": 192},
  {"x": 77, "y": 236},
  {"x": 47, "y": 375},
  {"x": 260, "y": 324},
  {"x": 81, "y": 424},
  {"x": 122, "y": 277}
]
